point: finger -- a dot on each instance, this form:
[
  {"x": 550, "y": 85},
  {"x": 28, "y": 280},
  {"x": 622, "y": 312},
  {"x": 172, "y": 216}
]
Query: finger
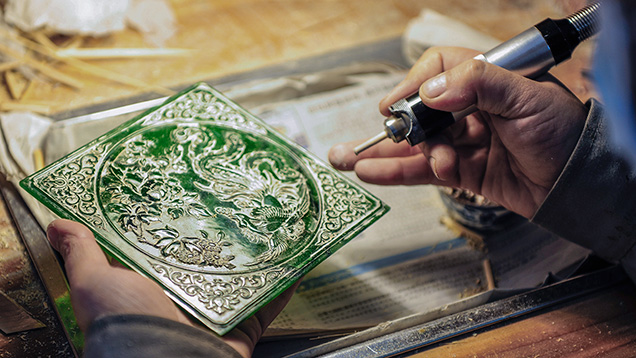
[
  {"x": 268, "y": 313},
  {"x": 243, "y": 338},
  {"x": 441, "y": 156},
  {"x": 471, "y": 131},
  {"x": 490, "y": 88},
  {"x": 397, "y": 171},
  {"x": 507, "y": 97},
  {"x": 76, "y": 243},
  {"x": 433, "y": 61},
  {"x": 342, "y": 157},
  {"x": 116, "y": 263}
]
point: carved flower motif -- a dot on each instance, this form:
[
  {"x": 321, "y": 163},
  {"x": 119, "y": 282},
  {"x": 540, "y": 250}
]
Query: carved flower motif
[
  {"x": 203, "y": 250},
  {"x": 223, "y": 297},
  {"x": 186, "y": 256},
  {"x": 211, "y": 251},
  {"x": 347, "y": 205}
]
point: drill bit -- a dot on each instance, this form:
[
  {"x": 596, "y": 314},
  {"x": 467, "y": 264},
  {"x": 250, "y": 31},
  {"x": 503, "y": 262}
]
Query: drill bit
[{"x": 371, "y": 142}]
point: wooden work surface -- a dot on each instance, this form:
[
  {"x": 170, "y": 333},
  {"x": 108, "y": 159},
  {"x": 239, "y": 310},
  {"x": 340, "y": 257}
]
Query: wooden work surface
[
  {"x": 232, "y": 36},
  {"x": 19, "y": 281},
  {"x": 598, "y": 325}
]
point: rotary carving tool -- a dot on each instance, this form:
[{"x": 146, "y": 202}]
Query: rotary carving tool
[{"x": 530, "y": 54}]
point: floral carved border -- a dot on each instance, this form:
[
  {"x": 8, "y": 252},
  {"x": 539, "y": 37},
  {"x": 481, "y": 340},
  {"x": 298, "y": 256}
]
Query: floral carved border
[
  {"x": 219, "y": 295},
  {"x": 343, "y": 204},
  {"x": 203, "y": 105},
  {"x": 71, "y": 185}
]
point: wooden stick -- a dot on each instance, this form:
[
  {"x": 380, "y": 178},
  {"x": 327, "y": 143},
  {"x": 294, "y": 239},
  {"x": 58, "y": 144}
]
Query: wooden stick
[
  {"x": 6, "y": 66},
  {"x": 490, "y": 279},
  {"x": 16, "y": 83},
  {"x": 27, "y": 91},
  {"x": 42, "y": 67},
  {"x": 108, "y": 53},
  {"x": 86, "y": 67},
  {"x": 36, "y": 107},
  {"x": 73, "y": 42},
  {"x": 38, "y": 159},
  {"x": 44, "y": 40}
]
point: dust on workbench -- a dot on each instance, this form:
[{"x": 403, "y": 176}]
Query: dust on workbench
[
  {"x": 231, "y": 36},
  {"x": 19, "y": 280}
]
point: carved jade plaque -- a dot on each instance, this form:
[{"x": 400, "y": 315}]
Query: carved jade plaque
[{"x": 210, "y": 202}]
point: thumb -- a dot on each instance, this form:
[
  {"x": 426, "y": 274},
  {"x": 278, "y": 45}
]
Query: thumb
[
  {"x": 488, "y": 87},
  {"x": 77, "y": 245}
]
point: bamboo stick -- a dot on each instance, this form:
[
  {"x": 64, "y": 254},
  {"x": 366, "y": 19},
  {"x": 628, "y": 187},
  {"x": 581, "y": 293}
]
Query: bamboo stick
[
  {"x": 490, "y": 279},
  {"x": 16, "y": 83},
  {"x": 38, "y": 159},
  {"x": 27, "y": 91},
  {"x": 86, "y": 67},
  {"x": 36, "y": 107},
  {"x": 43, "y": 40},
  {"x": 6, "y": 66},
  {"x": 42, "y": 67},
  {"x": 109, "y": 53},
  {"x": 73, "y": 42}
]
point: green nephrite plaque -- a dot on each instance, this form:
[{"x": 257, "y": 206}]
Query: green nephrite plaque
[{"x": 209, "y": 201}]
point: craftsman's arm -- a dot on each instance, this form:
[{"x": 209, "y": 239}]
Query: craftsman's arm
[
  {"x": 592, "y": 203},
  {"x": 141, "y": 336}
]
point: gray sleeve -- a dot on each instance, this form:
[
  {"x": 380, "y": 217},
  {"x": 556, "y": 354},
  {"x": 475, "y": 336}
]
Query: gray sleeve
[
  {"x": 593, "y": 202},
  {"x": 141, "y": 336}
]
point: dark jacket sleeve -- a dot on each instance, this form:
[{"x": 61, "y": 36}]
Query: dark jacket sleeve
[
  {"x": 141, "y": 336},
  {"x": 593, "y": 202}
]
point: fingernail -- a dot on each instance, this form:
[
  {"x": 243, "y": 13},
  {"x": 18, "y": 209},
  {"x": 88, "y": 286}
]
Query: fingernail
[
  {"x": 52, "y": 233},
  {"x": 435, "y": 86},
  {"x": 337, "y": 157},
  {"x": 395, "y": 89},
  {"x": 433, "y": 164}
]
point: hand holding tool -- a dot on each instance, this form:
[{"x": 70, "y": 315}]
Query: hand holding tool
[{"x": 531, "y": 54}]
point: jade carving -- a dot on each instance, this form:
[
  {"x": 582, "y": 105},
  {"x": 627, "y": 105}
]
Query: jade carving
[{"x": 210, "y": 202}]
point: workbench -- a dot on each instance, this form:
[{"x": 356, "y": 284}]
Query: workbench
[{"x": 231, "y": 37}]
